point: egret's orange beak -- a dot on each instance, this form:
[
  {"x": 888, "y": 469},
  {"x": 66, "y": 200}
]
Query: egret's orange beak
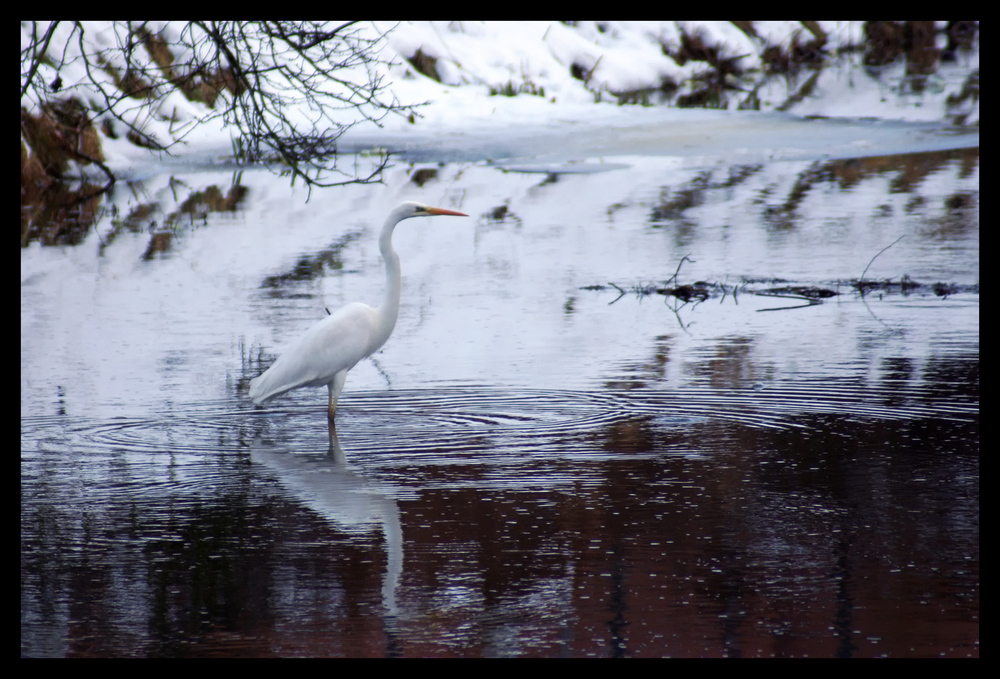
[{"x": 442, "y": 211}]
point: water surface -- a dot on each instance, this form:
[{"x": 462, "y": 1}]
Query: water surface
[{"x": 535, "y": 464}]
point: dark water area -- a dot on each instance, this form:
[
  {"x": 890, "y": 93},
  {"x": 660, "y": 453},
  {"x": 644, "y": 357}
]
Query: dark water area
[{"x": 476, "y": 521}]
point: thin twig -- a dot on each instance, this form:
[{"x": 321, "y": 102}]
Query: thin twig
[
  {"x": 679, "y": 264},
  {"x": 619, "y": 296},
  {"x": 879, "y": 253}
]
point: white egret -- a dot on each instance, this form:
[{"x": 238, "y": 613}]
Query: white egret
[{"x": 329, "y": 349}]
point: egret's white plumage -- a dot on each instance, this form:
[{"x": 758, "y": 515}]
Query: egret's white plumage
[{"x": 329, "y": 349}]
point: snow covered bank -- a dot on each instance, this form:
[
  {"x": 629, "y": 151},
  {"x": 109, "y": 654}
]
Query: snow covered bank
[{"x": 500, "y": 75}]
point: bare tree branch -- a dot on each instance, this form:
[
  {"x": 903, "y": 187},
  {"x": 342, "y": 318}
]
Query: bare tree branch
[{"x": 288, "y": 90}]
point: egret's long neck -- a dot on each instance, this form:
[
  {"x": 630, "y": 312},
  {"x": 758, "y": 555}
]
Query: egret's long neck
[{"x": 388, "y": 310}]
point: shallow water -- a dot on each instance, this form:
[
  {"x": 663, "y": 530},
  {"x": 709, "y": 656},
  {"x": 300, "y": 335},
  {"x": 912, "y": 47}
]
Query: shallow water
[{"x": 534, "y": 464}]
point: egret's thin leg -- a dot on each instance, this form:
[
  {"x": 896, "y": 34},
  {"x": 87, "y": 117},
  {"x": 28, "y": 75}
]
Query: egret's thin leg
[{"x": 335, "y": 387}]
